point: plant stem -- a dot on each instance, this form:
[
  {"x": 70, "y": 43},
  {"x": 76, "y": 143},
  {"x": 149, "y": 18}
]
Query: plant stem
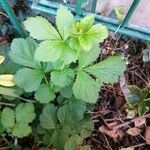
[
  {"x": 6, "y": 147},
  {"x": 7, "y": 104},
  {"x": 46, "y": 79},
  {"x": 27, "y": 100}
]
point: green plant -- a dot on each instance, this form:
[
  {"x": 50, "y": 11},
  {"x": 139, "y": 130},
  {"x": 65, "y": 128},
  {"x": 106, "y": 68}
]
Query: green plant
[
  {"x": 120, "y": 12},
  {"x": 58, "y": 66},
  {"x": 139, "y": 99}
]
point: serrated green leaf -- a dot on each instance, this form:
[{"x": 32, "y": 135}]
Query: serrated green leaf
[
  {"x": 46, "y": 139},
  {"x": 49, "y": 51},
  {"x": 8, "y": 117},
  {"x": 40, "y": 29},
  {"x": 48, "y": 118},
  {"x": 44, "y": 94},
  {"x": 25, "y": 113},
  {"x": 73, "y": 142},
  {"x": 28, "y": 79},
  {"x": 22, "y": 52},
  {"x": 97, "y": 33},
  {"x": 69, "y": 55},
  {"x": 59, "y": 139},
  {"x": 74, "y": 43},
  {"x": 64, "y": 21},
  {"x": 87, "y": 22},
  {"x": 134, "y": 96},
  {"x": 21, "y": 130},
  {"x": 66, "y": 91},
  {"x": 12, "y": 92},
  {"x": 87, "y": 58},
  {"x": 86, "y": 88},
  {"x": 68, "y": 114},
  {"x": 86, "y": 127},
  {"x": 62, "y": 78},
  {"x": 108, "y": 70}
]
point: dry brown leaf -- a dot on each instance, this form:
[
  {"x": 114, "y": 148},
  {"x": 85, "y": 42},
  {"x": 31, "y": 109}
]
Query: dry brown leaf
[
  {"x": 115, "y": 134},
  {"x": 147, "y": 135},
  {"x": 134, "y": 131},
  {"x": 139, "y": 122},
  {"x": 7, "y": 80},
  {"x": 111, "y": 125}
]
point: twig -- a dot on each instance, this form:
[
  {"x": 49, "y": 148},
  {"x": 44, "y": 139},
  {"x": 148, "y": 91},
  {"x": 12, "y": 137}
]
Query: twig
[
  {"x": 1, "y": 13},
  {"x": 128, "y": 122},
  {"x": 107, "y": 142},
  {"x": 4, "y": 148},
  {"x": 5, "y": 139},
  {"x": 27, "y": 100},
  {"x": 138, "y": 145}
]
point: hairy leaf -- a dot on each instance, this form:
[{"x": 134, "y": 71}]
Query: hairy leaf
[
  {"x": 8, "y": 117},
  {"x": 44, "y": 94},
  {"x": 97, "y": 33},
  {"x": 108, "y": 70},
  {"x": 22, "y": 52},
  {"x": 25, "y": 113},
  {"x": 53, "y": 50},
  {"x": 40, "y": 29},
  {"x": 86, "y": 88},
  {"x": 66, "y": 91},
  {"x": 12, "y": 92},
  {"x": 28, "y": 79},
  {"x": 87, "y": 22},
  {"x": 69, "y": 55},
  {"x": 64, "y": 21},
  {"x": 87, "y": 58},
  {"x": 62, "y": 78},
  {"x": 74, "y": 43},
  {"x": 73, "y": 142},
  {"x": 59, "y": 139},
  {"x": 68, "y": 114},
  {"x": 49, "y": 50},
  {"x": 48, "y": 118},
  {"x": 21, "y": 130}
]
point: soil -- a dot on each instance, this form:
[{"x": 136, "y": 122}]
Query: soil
[{"x": 110, "y": 108}]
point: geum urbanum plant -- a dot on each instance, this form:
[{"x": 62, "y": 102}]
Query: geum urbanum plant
[{"x": 59, "y": 67}]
